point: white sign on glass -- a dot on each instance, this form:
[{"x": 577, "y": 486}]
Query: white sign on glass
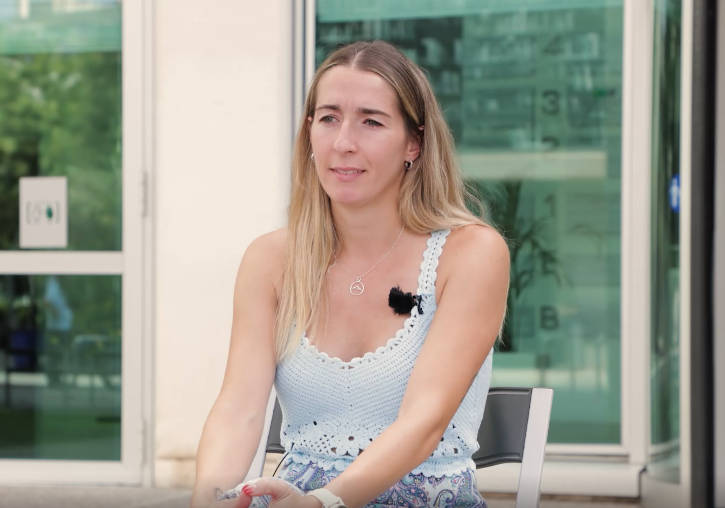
[{"x": 43, "y": 212}]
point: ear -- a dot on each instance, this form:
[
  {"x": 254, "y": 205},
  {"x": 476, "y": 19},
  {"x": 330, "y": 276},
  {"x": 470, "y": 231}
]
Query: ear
[
  {"x": 309, "y": 119},
  {"x": 413, "y": 148}
]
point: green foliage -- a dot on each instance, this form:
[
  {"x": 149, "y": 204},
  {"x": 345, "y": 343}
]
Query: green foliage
[
  {"x": 95, "y": 301},
  {"x": 531, "y": 255},
  {"x": 60, "y": 115}
]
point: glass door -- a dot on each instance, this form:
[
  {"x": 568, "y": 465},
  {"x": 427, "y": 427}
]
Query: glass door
[{"x": 70, "y": 242}]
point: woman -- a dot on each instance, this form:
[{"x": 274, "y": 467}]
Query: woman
[{"x": 382, "y": 389}]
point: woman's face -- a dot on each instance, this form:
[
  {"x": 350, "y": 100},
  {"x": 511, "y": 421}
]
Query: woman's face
[{"x": 359, "y": 138}]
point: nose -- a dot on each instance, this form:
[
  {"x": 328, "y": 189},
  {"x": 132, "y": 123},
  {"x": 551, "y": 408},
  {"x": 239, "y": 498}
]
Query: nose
[{"x": 345, "y": 139}]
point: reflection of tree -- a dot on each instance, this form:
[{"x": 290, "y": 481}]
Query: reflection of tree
[
  {"x": 95, "y": 302},
  {"x": 526, "y": 236},
  {"x": 60, "y": 114}
]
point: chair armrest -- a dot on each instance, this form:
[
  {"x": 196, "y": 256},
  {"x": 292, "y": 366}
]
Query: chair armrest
[{"x": 532, "y": 463}]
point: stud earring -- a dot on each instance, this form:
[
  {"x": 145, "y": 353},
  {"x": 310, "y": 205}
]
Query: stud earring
[
  {"x": 312, "y": 156},
  {"x": 407, "y": 165}
]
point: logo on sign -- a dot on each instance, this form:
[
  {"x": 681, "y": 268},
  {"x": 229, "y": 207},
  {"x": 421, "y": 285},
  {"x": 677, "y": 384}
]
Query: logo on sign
[
  {"x": 43, "y": 211},
  {"x": 37, "y": 212}
]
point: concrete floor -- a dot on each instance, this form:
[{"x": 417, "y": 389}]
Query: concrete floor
[
  {"x": 140, "y": 497},
  {"x": 92, "y": 497}
]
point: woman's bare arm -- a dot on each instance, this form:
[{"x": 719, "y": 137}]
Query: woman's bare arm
[{"x": 234, "y": 425}]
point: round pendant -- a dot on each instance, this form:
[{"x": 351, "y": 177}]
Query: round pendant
[{"x": 357, "y": 287}]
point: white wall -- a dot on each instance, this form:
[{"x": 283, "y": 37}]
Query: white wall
[{"x": 223, "y": 82}]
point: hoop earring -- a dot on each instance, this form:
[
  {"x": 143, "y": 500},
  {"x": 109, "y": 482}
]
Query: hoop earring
[{"x": 407, "y": 165}]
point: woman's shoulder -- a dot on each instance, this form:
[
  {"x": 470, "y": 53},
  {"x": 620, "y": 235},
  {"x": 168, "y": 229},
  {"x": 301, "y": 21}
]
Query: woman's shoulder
[
  {"x": 266, "y": 253},
  {"x": 475, "y": 238},
  {"x": 474, "y": 246},
  {"x": 271, "y": 243}
]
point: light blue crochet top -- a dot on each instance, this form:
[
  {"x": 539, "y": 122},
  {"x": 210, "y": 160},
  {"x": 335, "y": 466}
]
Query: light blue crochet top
[{"x": 333, "y": 409}]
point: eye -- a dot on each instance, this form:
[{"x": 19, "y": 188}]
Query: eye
[
  {"x": 327, "y": 119},
  {"x": 372, "y": 123}
]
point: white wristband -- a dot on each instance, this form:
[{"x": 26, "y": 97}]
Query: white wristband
[{"x": 327, "y": 498}]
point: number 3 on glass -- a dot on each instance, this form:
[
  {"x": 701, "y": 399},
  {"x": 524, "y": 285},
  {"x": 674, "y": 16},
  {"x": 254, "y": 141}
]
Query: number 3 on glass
[{"x": 551, "y": 102}]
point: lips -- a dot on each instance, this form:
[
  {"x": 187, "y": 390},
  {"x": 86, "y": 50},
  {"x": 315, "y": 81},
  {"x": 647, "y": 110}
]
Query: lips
[
  {"x": 346, "y": 174},
  {"x": 346, "y": 171}
]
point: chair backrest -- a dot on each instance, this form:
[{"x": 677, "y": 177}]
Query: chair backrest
[
  {"x": 502, "y": 433},
  {"x": 274, "y": 443},
  {"x": 514, "y": 429}
]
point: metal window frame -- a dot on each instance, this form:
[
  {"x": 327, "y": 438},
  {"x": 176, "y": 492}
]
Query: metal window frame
[
  {"x": 719, "y": 272},
  {"x": 636, "y": 227},
  {"x": 686, "y": 65},
  {"x": 702, "y": 174}
]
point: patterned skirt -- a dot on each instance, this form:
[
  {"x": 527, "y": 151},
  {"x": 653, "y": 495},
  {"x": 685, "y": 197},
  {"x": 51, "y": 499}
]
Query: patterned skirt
[{"x": 413, "y": 491}]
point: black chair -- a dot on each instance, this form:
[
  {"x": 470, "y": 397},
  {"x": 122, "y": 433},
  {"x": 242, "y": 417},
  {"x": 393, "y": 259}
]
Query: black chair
[{"x": 514, "y": 429}]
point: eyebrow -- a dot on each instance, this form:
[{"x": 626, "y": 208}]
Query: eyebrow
[{"x": 364, "y": 111}]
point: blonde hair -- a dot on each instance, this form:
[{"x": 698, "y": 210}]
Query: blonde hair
[{"x": 432, "y": 193}]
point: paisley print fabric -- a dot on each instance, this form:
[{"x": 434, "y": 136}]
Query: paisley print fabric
[{"x": 413, "y": 491}]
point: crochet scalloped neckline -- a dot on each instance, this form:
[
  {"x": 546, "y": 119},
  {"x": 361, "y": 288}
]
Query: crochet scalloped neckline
[{"x": 409, "y": 323}]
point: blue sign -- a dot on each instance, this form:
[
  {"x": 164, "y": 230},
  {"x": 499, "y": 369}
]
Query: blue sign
[{"x": 673, "y": 193}]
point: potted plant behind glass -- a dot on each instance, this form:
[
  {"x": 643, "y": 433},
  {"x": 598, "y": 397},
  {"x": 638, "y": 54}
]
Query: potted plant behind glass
[{"x": 531, "y": 257}]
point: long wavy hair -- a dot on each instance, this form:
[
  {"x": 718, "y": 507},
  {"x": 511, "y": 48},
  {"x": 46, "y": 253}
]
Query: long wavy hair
[{"x": 432, "y": 193}]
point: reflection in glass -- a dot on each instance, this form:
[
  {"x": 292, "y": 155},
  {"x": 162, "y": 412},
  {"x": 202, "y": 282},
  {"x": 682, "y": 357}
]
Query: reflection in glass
[
  {"x": 60, "y": 105},
  {"x": 60, "y": 367},
  {"x": 665, "y": 344},
  {"x": 532, "y": 92}
]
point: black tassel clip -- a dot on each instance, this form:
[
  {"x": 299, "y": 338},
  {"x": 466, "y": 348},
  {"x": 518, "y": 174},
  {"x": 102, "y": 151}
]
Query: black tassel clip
[{"x": 402, "y": 303}]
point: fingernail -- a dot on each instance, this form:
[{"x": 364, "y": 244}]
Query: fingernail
[{"x": 247, "y": 489}]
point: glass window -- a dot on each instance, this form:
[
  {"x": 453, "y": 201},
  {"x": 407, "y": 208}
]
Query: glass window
[
  {"x": 665, "y": 344},
  {"x": 60, "y": 111},
  {"x": 60, "y": 367},
  {"x": 532, "y": 92}
]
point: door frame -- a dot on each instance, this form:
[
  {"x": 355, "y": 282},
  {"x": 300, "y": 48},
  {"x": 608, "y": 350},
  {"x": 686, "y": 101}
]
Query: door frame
[{"x": 133, "y": 263}]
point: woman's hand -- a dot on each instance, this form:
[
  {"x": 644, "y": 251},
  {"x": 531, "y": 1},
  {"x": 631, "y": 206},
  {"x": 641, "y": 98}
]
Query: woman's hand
[{"x": 283, "y": 494}]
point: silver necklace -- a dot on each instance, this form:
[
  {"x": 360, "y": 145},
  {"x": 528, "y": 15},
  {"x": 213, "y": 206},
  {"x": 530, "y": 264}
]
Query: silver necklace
[{"x": 357, "y": 287}]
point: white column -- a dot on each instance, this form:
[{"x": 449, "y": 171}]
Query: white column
[{"x": 223, "y": 112}]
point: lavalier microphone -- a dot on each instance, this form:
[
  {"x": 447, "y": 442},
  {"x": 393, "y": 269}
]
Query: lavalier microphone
[{"x": 402, "y": 302}]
